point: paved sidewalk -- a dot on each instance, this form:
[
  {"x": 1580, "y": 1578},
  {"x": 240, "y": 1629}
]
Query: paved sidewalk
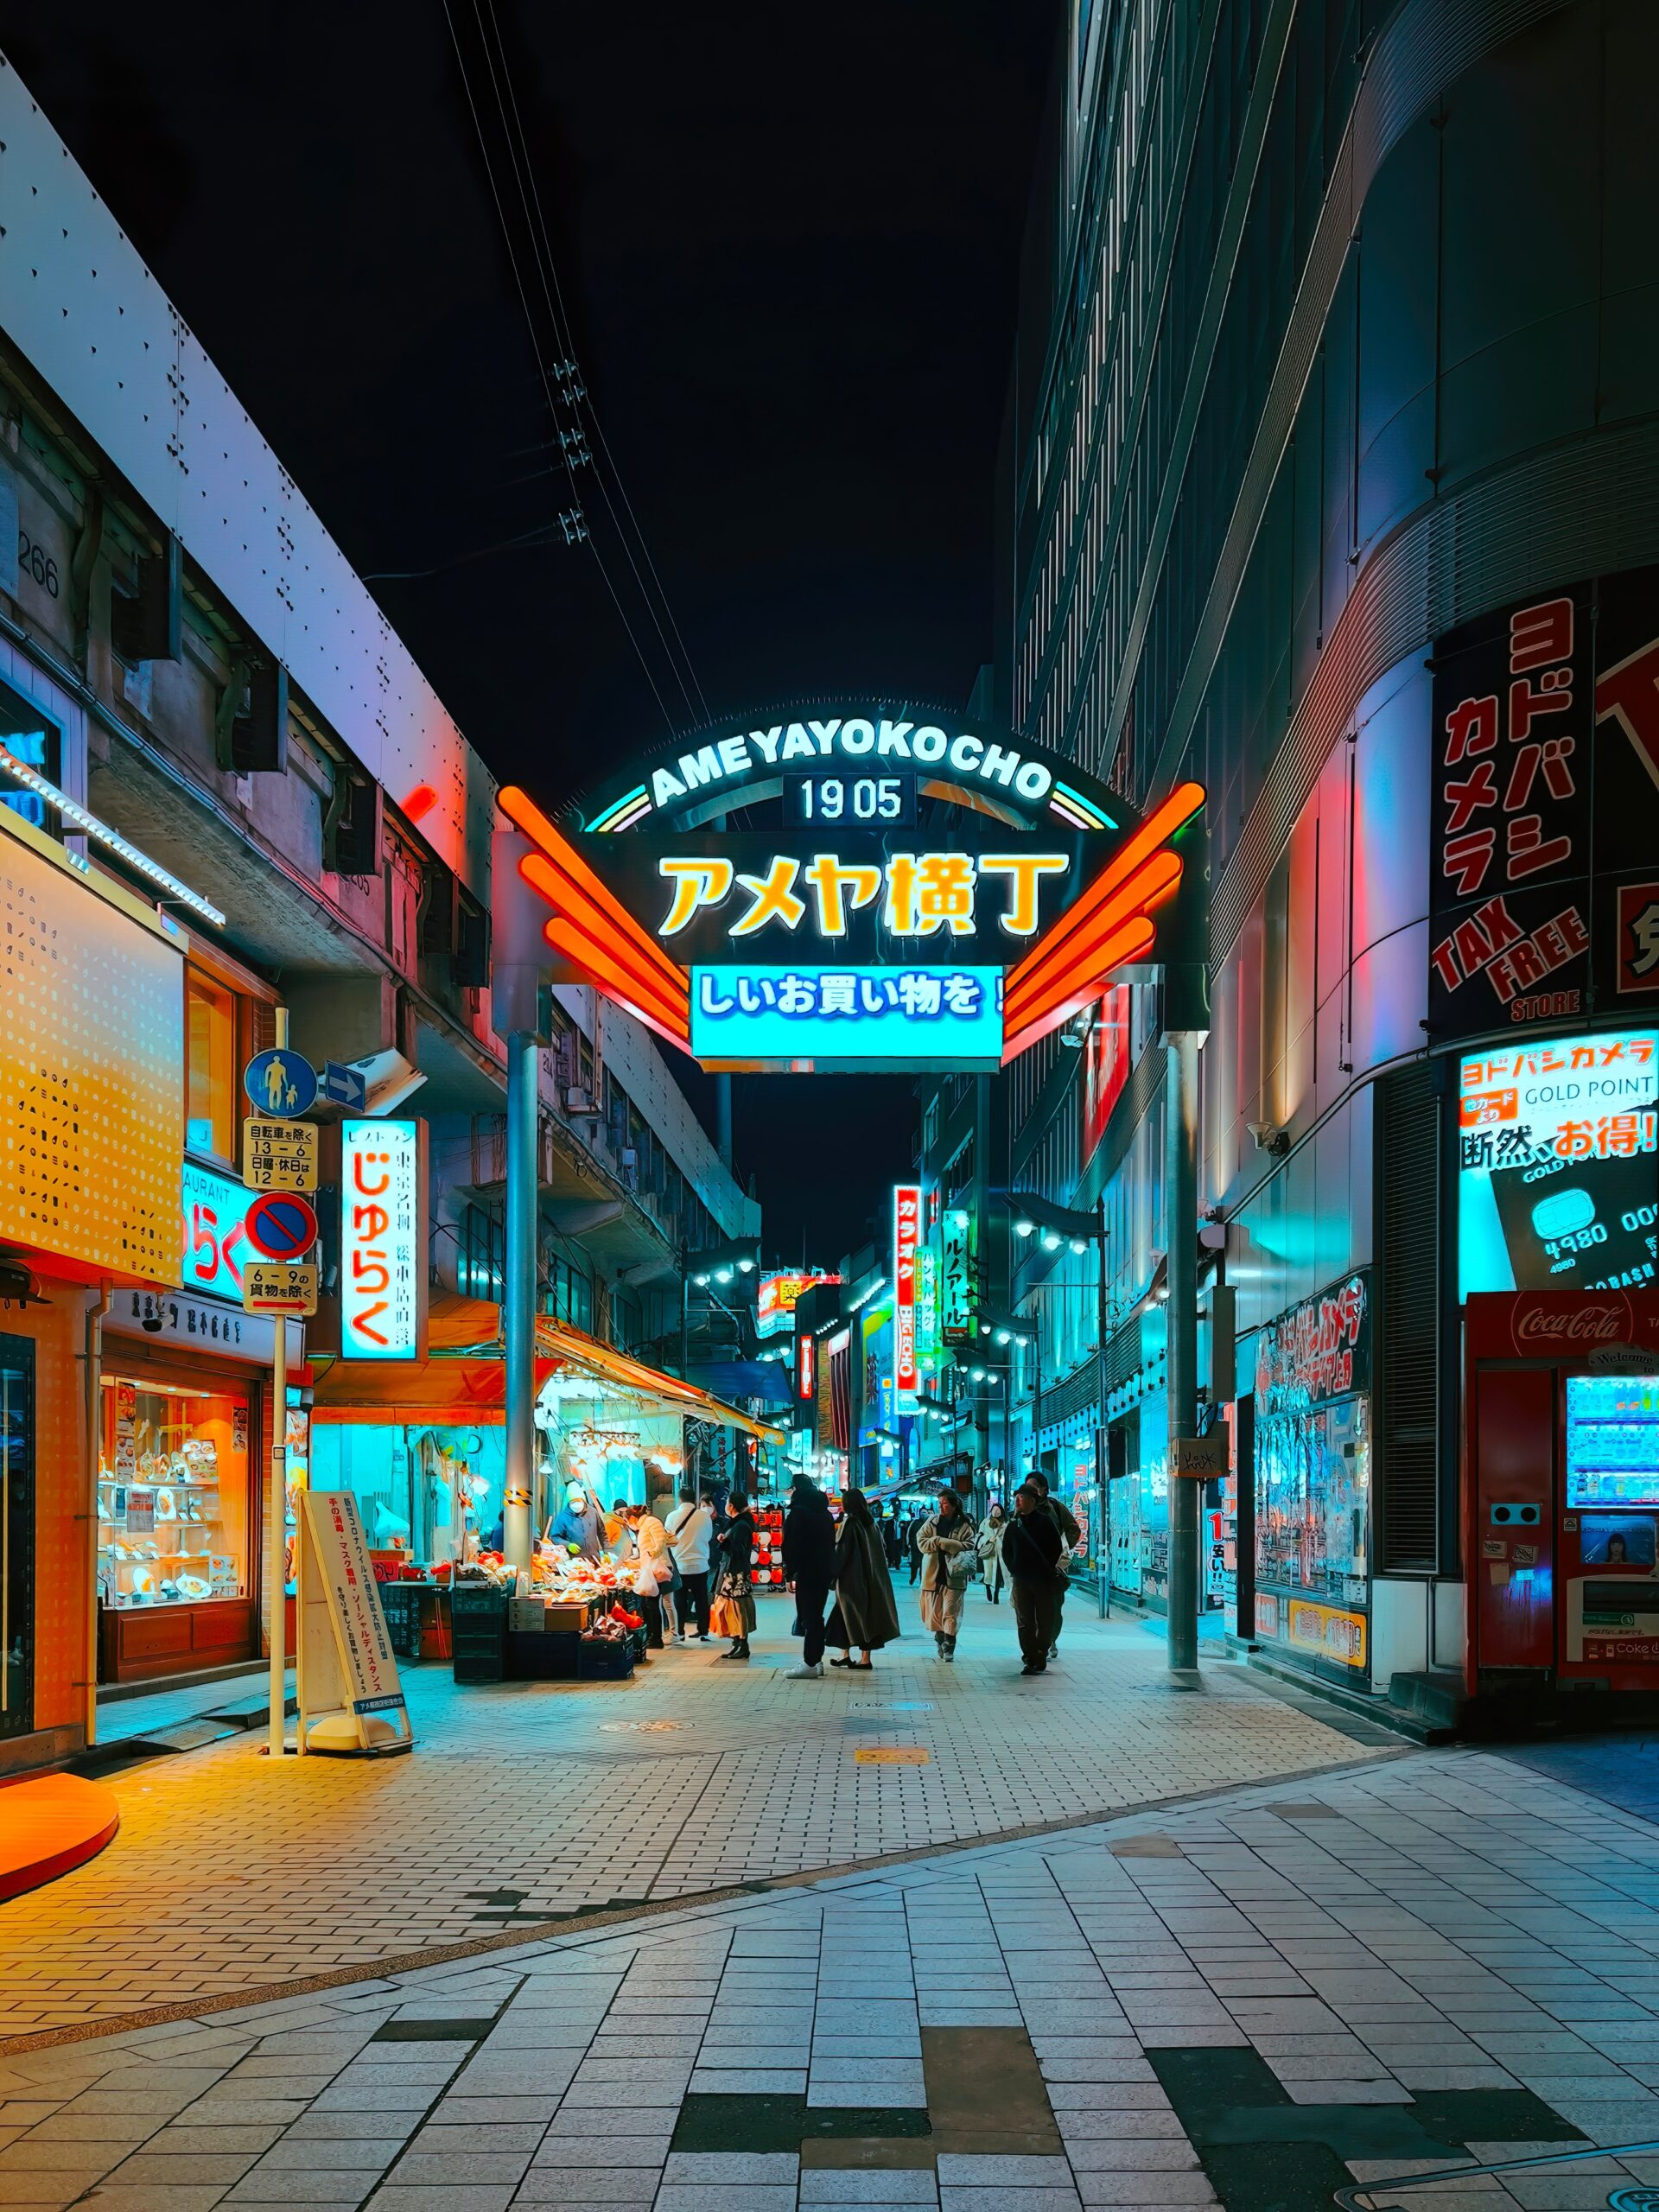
[
  {"x": 534, "y": 1800},
  {"x": 1441, "y": 1961}
]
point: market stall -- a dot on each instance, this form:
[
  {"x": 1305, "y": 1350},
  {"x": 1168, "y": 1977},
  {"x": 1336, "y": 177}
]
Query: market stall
[{"x": 422, "y": 1447}]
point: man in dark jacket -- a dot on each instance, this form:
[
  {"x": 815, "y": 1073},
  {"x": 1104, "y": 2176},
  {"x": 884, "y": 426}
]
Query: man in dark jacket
[
  {"x": 1031, "y": 1559},
  {"x": 1065, "y": 1520},
  {"x": 810, "y": 1563}
]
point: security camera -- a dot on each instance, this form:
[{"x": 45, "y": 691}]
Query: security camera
[{"x": 1273, "y": 1142}]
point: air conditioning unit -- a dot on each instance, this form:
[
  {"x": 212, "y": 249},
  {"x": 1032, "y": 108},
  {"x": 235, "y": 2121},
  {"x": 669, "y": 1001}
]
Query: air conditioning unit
[
  {"x": 630, "y": 1159},
  {"x": 578, "y": 1104}
]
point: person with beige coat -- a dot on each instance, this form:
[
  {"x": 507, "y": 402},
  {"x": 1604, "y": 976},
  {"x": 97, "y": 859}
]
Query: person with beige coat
[{"x": 949, "y": 1562}]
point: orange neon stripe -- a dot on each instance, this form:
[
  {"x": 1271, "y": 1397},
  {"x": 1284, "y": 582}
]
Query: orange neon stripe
[
  {"x": 616, "y": 983},
  {"x": 565, "y": 894},
  {"x": 634, "y": 951},
  {"x": 1177, "y": 810},
  {"x": 605, "y": 943},
  {"x": 562, "y": 856},
  {"x": 1128, "y": 944},
  {"x": 1074, "y": 956}
]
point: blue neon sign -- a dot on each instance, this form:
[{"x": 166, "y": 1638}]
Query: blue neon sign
[{"x": 901, "y": 1015}]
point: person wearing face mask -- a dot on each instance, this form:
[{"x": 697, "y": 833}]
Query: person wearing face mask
[{"x": 579, "y": 1524}]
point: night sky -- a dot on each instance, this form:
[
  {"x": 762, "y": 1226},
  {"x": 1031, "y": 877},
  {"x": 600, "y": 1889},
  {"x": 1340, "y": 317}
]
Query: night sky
[{"x": 788, "y": 265}]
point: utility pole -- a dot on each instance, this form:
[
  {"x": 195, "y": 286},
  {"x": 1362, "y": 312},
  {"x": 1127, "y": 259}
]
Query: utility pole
[
  {"x": 518, "y": 1295},
  {"x": 1181, "y": 1230}
]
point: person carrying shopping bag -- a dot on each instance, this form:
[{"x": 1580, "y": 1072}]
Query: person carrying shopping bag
[
  {"x": 865, "y": 1612},
  {"x": 732, "y": 1612},
  {"x": 989, "y": 1546},
  {"x": 949, "y": 1561}
]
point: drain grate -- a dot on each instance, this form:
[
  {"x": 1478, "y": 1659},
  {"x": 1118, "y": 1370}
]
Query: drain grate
[{"x": 458, "y": 2030}]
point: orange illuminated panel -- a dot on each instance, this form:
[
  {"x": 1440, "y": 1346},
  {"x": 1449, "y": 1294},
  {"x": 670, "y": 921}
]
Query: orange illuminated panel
[{"x": 92, "y": 1066}]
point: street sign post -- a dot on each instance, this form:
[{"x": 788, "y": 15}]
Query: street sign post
[
  {"x": 281, "y": 1225},
  {"x": 280, "y": 1083},
  {"x": 279, "y": 1155},
  {"x": 279, "y": 1287}
]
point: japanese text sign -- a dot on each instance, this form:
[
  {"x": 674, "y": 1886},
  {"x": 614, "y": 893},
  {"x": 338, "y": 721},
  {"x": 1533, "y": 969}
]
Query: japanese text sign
[
  {"x": 913, "y": 1017},
  {"x": 906, "y": 1235},
  {"x": 382, "y": 1241},
  {"x": 1558, "y": 1170},
  {"x": 1320, "y": 1351}
]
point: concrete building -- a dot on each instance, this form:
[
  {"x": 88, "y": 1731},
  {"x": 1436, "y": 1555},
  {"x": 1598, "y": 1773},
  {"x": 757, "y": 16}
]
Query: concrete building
[
  {"x": 1328, "y": 480},
  {"x": 264, "y": 804}
]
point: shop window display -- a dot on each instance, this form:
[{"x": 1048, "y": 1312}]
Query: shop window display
[{"x": 172, "y": 1495}]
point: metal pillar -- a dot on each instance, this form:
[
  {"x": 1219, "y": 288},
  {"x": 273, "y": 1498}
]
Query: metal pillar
[
  {"x": 1103, "y": 1441},
  {"x": 518, "y": 1295},
  {"x": 1181, "y": 1227},
  {"x": 276, "y": 1512},
  {"x": 724, "y": 1119}
]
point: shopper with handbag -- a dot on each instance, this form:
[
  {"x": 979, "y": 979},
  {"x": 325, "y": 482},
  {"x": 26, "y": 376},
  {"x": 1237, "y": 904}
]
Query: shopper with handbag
[
  {"x": 865, "y": 1612},
  {"x": 989, "y": 1548},
  {"x": 732, "y": 1612},
  {"x": 653, "y": 1569},
  {"x": 810, "y": 1563},
  {"x": 950, "y": 1560}
]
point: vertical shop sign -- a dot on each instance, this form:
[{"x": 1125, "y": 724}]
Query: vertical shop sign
[
  {"x": 906, "y": 1235},
  {"x": 1543, "y": 888},
  {"x": 956, "y": 1290},
  {"x": 1108, "y": 1054},
  {"x": 806, "y": 1378},
  {"x": 382, "y": 1243},
  {"x": 927, "y": 1308}
]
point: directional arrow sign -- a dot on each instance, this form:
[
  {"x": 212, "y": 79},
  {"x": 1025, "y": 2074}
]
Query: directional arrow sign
[
  {"x": 344, "y": 1085},
  {"x": 281, "y": 1225}
]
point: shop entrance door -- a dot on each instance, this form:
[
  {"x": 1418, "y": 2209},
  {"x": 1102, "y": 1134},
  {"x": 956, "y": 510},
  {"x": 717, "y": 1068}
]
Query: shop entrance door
[{"x": 16, "y": 1536}]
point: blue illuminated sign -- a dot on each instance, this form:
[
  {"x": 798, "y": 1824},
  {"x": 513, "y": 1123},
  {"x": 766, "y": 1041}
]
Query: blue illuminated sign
[{"x": 910, "y": 1016}]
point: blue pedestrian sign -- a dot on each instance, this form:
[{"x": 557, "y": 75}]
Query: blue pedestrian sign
[
  {"x": 281, "y": 1083},
  {"x": 343, "y": 1085}
]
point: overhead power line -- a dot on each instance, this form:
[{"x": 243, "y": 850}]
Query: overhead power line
[{"x": 562, "y": 386}]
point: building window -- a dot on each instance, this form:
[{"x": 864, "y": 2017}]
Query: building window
[{"x": 210, "y": 1068}]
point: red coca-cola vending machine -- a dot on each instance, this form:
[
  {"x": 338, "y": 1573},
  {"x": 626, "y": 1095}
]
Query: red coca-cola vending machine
[{"x": 1561, "y": 1499}]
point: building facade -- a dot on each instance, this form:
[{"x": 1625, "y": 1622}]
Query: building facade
[
  {"x": 1328, "y": 481},
  {"x": 225, "y": 789}
]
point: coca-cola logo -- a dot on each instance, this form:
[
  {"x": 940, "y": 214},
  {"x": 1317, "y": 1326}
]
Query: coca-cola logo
[{"x": 1546, "y": 1325}]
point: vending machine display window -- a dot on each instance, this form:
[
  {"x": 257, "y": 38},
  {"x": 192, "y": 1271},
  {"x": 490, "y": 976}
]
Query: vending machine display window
[
  {"x": 1612, "y": 1440},
  {"x": 172, "y": 1495}
]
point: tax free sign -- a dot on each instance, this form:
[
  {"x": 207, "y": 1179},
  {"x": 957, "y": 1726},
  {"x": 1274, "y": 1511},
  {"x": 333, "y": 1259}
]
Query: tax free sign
[{"x": 863, "y": 887}]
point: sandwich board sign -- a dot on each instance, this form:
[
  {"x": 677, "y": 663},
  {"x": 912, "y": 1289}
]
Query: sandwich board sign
[{"x": 351, "y": 1698}]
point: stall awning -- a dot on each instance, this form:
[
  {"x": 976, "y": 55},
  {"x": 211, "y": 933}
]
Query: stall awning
[{"x": 463, "y": 1376}]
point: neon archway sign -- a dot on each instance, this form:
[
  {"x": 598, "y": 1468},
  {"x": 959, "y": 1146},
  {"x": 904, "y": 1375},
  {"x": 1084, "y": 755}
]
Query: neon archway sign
[{"x": 850, "y": 887}]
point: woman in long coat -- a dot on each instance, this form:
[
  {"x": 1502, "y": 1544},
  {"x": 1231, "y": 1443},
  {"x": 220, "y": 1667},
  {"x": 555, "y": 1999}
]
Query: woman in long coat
[
  {"x": 865, "y": 1613},
  {"x": 949, "y": 1561}
]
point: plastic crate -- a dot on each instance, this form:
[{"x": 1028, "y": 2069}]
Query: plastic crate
[
  {"x": 542, "y": 1655},
  {"x": 478, "y": 1621},
  {"x": 601, "y": 1661}
]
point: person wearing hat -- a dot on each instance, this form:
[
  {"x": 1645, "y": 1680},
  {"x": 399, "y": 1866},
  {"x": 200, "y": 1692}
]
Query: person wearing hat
[{"x": 1031, "y": 1559}]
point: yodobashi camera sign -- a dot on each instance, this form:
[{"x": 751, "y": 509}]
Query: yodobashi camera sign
[
  {"x": 1558, "y": 1161},
  {"x": 382, "y": 1240}
]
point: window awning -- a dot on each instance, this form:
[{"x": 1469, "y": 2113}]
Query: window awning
[{"x": 463, "y": 1377}]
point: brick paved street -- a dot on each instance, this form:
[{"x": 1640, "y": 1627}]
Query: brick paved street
[
  {"x": 1436, "y": 1961},
  {"x": 533, "y": 1800}
]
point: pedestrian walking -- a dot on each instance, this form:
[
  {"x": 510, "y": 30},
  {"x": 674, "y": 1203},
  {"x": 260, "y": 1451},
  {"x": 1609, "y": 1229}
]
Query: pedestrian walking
[
  {"x": 691, "y": 1531},
  {"x": 989, "y": 1546},
  {"x": 810, "y": 1563},
  {"x": 950, "y": 1560},
  {"x": 1031, "y": 1554},
  {"x": 733, "y": 1613},
  {"x": 866, "y": 1612},
  {"x": 893, "y": 1539},
  {"x": 1070, "y": 1536}
]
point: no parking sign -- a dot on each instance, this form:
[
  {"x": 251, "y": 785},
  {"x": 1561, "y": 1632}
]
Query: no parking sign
[{"x": 281, "y": 1225}]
